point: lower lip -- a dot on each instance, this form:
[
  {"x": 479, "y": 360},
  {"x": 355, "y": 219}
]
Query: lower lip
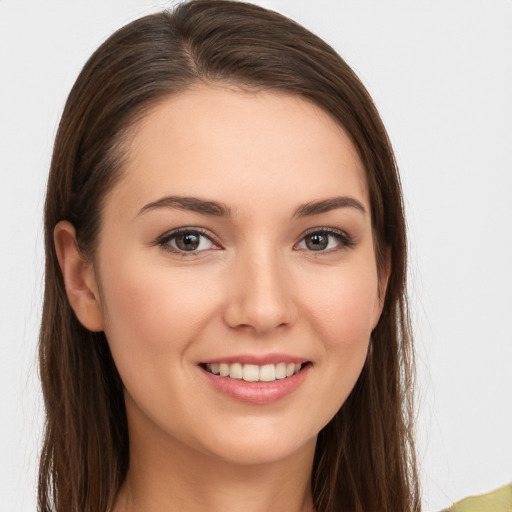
[{"x": 257, "y": 393}]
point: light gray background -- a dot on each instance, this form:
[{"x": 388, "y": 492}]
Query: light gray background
[{"x": 441, "y": 75}]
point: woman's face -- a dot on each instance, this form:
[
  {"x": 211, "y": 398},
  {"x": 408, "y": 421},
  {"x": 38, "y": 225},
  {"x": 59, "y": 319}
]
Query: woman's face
[{"x": 238, "y": 242}]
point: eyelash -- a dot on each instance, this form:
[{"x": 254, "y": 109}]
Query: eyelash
[
  {"x": 343, "y": 239},
  {"x": 164, "y": 240}
]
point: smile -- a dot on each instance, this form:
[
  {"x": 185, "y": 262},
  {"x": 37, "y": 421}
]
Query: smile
[
  {"x": 256, "y": 384},
  {"x": 253, "y": 372}
]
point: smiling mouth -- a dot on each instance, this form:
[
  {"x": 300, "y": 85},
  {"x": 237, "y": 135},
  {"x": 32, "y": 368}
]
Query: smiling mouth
[{"x": 253, "y": 372}]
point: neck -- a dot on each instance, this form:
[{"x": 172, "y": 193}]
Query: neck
[{"x": 169, "y": 476}]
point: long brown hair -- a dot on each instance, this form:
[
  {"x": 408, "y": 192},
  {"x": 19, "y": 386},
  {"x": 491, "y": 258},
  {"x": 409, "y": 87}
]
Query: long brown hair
[{"x": 365, "y": 459}]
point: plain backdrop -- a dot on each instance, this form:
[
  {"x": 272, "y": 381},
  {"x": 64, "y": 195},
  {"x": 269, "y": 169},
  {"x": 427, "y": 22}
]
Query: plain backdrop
[{"x": 441, "y": 75}]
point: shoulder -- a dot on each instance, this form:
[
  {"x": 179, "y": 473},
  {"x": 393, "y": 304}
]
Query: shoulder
[{"x": 499, "y": 500}]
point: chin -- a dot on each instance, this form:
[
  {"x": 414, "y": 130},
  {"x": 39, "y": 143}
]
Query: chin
[
  {"x": 254, "y": 454},
  {"x": 257, "y": 446}
]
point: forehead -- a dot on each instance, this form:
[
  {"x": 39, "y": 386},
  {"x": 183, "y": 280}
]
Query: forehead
[{"x": 223, "y": 143}]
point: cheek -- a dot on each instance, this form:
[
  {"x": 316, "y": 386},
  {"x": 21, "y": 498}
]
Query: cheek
[
  {"x": 341, "y": 314},
  {"x": 346, "y": 323},
  {"x": 343, "y": 307},
  {"x": 150, "y": 312}
]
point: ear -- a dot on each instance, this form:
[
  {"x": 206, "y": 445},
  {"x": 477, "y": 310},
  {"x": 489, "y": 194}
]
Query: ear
[
  {"x": 79, "y": 278},
  {"x": 383, "y": 279}
]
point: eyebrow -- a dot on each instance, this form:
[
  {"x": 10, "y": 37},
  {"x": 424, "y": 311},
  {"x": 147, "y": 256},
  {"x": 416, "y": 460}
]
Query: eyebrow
[
  {"x": 218, "y": 209},
  {"x": 193, "y": 204},
  {"x": 326, "y": 205}
]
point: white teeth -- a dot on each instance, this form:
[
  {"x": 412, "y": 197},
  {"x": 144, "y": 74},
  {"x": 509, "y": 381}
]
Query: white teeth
[
  {"x": 280, "y": 370},
  {"x": 250, "y": 373},
  {"x": 268, "y": 373},
  {"x": 236, "y": 371},
  {"x": 253, "y": 372}
]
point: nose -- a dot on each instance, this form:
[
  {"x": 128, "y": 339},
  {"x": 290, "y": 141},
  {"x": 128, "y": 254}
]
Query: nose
[{"x": 259, "y": 297}]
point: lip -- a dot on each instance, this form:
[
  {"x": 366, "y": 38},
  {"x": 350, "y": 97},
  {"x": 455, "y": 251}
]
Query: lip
[
  {"x": 256, "y": 393},
  {"x": 259, "y": 360}
]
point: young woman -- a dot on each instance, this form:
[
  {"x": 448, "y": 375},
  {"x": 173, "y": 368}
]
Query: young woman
[{"x": 225, "y": 322}]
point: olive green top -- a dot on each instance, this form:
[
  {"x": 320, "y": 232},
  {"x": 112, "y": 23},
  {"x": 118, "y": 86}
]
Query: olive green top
[{"x": 499, "y": 500}]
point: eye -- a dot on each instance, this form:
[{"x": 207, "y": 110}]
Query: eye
[
  {"x": 325, "y": 240},
  {"x": 187, "y": 240}
]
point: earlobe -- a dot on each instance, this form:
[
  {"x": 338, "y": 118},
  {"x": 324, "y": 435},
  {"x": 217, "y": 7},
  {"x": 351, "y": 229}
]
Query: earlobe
[{"x": 79, "y": 278}]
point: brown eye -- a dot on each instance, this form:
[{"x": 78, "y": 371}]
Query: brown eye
[
  {"x": 325, "y": 241},
  {"x": 317, "y": 241},
  {"x": 187, "y": 241}
]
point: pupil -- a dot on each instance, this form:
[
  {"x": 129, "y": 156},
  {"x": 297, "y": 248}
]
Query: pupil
[
  {"x": 317, "y": 242},
  {"x": 188, "y": 242}
]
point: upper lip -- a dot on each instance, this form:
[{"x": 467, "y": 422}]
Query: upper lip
[{"x": 257, "y": 359}]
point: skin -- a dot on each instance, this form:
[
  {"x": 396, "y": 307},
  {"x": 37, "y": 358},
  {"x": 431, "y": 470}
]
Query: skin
[{"x": 253, "y": 287}]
